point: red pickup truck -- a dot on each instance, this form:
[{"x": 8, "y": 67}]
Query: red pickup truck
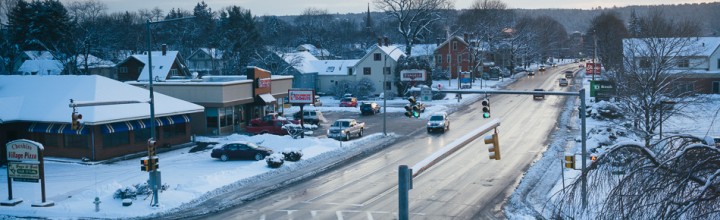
[{"x": 273, "y": 126}]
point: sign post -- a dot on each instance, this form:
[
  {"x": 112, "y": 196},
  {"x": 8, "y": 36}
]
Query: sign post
[
  {"x": 301, "y": 97},
  {"x": 25, "y": 164}
]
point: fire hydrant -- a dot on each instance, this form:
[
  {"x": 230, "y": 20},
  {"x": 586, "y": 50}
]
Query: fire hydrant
[{"x": 97, "y": 204}]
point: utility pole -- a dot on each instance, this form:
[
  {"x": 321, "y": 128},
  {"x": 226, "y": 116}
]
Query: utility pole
[{"x": 594, "y": 54}]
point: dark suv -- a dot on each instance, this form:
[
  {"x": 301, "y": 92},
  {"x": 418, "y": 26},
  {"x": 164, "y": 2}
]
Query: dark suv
[{"x": 369, "y": 108}]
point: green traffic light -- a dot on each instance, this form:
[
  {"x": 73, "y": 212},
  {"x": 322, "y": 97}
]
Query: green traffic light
[
  {"x": 486, "y": 115},
  {"x": 416, "y": 114}
]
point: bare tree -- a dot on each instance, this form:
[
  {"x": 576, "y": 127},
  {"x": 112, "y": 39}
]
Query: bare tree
[
  {"x": 87, "y": 33},
  {"x": 413, "y": 17},
  {"x": 677, "y": 178},
  {"x": 5, "y": 7}
]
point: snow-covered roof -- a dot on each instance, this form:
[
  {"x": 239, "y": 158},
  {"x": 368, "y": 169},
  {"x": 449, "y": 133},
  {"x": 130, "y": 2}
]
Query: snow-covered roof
[
  {"x": 313, "y": 50},
  {"x": 420, "y": 49},
  {"x": 93, "y": 62},
  {"x": 161, "y": 64},
  {"x": 450, "y": 39},
  {"x": 691, "y": 46},
  {"x": 392, "y": 51},
  {"x": 333, "y": 67},
  {"x": 301, "y": 61},
  {"x": 213, "y": 53},
  {"x": 46, "y": 99},
  {"x": 39, "y": 55},
  {"x": 41, "y": 67}
]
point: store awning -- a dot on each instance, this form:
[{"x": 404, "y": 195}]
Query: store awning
[
  {"x": 161, "y": 121},
  {"x": 55, "y": 128},
  {"x": 117, "y": 127},
  {"x": 267, "y": 98}
]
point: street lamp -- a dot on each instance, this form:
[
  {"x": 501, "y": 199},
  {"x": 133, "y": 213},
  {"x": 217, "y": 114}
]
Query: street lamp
[
  {"x": 154, "y": 175},
  {"x": 385, "y": 73},
  {"x": 662, "y": 108}
]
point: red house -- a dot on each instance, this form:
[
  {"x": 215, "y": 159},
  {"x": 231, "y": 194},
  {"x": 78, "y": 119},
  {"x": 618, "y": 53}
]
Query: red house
[{"x": 453, "y": 56}]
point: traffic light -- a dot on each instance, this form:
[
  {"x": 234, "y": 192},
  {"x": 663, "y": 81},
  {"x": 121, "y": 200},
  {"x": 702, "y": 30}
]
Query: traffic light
[
  {"x": 408, "y": 111},
  {"x": 150, "y": 164},
  {"x": 76, "y": 117},
  {"x": 593, "y": 157},
  {"x": 486, "y": 108},
  {"x": 412, "y": 109},
  {"x": 152, "y": 145},
  {"x": 569, "y": 161},
  {"x": 494, "y": 146}
]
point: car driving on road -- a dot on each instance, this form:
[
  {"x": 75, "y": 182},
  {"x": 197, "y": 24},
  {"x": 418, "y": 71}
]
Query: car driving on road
[
  {"x": 369, "y": 108},
  {"x": 438, "y": 121},
  {"x": 563, "y": 82},
  {"x": 540, "y": 96}
]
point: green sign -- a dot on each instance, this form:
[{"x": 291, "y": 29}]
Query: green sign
[
  {"x": 24, "y": 171},
  {"x": 602, "y": 90}
]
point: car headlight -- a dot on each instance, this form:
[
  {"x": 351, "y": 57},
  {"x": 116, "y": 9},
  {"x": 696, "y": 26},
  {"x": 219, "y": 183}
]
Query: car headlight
[
  {"x": 429, "y": 123},
  {"x": 342, "y": 132}
]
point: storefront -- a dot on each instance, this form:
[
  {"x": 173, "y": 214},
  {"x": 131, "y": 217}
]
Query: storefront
[{"x": 230, "y": 101}]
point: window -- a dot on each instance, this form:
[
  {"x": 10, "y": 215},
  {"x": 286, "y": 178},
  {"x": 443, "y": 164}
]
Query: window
[
  {"x": 438, "y": 59},
  {"x": 76, "y": 141},
  {"x": 176, "y": 130},
  {"x": 454, "y": 45},
  {"x": 460, "y": 57},
  {"x": 116, "y": 139},
  {"x": 173, "y": 72},
  {"x": 683, "y": 63},
  {"x": 141, "y": 135},
  {"x": 716, "y": 87},
  {"x": 386, "y": 70},
  {"x": 718, "y": 64},
  {"x": 644, "y": 63},
  {"x": 366, "y": 71},
  {"x": 350, "y": 70},
  {"x": 123, "y": 69},
  {"x": 330, "y": 69},
  {"x": 376, "y": 56},
  {"x": 388, "y": 85},
  {"x": 449, "y": 58}
]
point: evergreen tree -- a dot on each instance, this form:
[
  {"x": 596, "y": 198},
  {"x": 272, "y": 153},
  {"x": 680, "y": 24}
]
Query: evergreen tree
[{"x": 239, "y": 36}]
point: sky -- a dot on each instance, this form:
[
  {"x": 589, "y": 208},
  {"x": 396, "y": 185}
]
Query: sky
[
  {"x": 295, "y": 7},
  {"x": 73, "y": 186}
]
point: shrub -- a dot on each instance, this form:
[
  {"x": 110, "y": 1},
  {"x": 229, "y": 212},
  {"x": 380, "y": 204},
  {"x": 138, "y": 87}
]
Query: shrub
[
  {"x": 131, "y": 192},
  {"x": 292, "y": 154},
  {"x": 275, "y": 160}
]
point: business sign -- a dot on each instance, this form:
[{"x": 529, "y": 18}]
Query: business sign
[
  {"x": 593, "y": 68},
  {"x": 602, "y": 90},
  {"x": 24, "y": 171},
  {"x": 264, "y": 83},
  {"x": 412, "y": 75},
  {"x": 301, "y": 96},
  {"x": 23, "y": 150}
]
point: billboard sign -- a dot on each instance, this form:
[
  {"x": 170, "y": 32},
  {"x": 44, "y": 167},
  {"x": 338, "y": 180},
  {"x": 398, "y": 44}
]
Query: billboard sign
[
  {"x": 593, "y": 68},
  {"x": 301, "y": 96},
  {"x": 413, "y": 75}
]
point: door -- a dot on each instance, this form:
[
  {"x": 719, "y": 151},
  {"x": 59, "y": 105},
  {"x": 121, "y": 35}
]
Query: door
[
  {"x": 232, "y": 151},
  {"x": 245, "y": 152}
]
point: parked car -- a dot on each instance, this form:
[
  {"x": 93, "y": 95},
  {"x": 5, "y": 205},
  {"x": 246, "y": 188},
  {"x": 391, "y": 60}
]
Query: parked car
[
  {"x": 563, "y": 82},
  {"x": 317, "y": 101},
  {"x": 348, "y": 102},
  {"x": 438, "y": 121},
  {"x": 310, "y": 116},
  {"x": 274, "y": 126},
  {"x": 541, "y": 96},
  {"x": 369, "y": 108},
  {"x": 343, "y": 129},
  {"x": 240, "y": 150}
]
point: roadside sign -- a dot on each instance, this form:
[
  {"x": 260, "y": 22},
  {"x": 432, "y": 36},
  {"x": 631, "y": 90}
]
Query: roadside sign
[
  {"x": 24, "y": 170},
  {"x": 301, "y": 96}
]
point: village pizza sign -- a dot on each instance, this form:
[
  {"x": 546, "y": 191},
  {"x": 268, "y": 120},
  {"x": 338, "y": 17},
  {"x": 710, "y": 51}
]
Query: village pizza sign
[{"x": 25, "y": 164}]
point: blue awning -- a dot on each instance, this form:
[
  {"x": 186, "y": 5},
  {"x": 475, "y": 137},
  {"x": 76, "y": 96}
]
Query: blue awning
[
  {"x": 54, "y": 128},
  {"x": 117, "y": 127},
  {"x": 161, "y": 121}
]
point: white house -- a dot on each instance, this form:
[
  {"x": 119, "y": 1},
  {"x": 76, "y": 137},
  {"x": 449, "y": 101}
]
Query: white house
[
  {"x": 331, "y": 72},
  {"x": 377, "y": 65},
  {"x": 697, "y": 58},
  {"x": 41, "y": 67}
]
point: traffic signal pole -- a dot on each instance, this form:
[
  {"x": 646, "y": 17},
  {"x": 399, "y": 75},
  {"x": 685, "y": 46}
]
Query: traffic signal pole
[{"x": 583, "y": 107}]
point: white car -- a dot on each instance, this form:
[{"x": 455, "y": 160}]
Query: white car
[{"x": 438, "y": 121}]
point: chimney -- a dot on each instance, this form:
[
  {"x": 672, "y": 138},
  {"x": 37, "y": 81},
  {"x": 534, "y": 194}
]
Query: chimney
[
  {"x": 379, "y": 41},
  {"x": 465, "y": 37},
  {"x": 164, "y": 49},
  {"x": 386, "y": 41},
  {"x": 437, "y": 41}
]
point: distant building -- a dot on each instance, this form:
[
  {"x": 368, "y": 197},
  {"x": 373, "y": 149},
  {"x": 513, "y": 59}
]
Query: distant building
[
  {"x": 696, "y": 60},
  {"x": 166, "y": 65},
  {"x": 206, "y": 61},
  {"x": 454, "y": 56},
  {"x": 41, "y": 67}
]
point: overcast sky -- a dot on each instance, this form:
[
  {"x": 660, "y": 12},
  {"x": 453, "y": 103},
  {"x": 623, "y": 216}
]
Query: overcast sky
[{"x": 295, "y": 7}]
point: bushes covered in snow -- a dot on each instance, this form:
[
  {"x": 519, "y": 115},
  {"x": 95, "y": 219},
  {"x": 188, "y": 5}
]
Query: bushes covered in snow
[
  {"x": 275, "y": 160},
  {"x": 131, "y": 192},
  {"x": 292, "y": 154}
]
